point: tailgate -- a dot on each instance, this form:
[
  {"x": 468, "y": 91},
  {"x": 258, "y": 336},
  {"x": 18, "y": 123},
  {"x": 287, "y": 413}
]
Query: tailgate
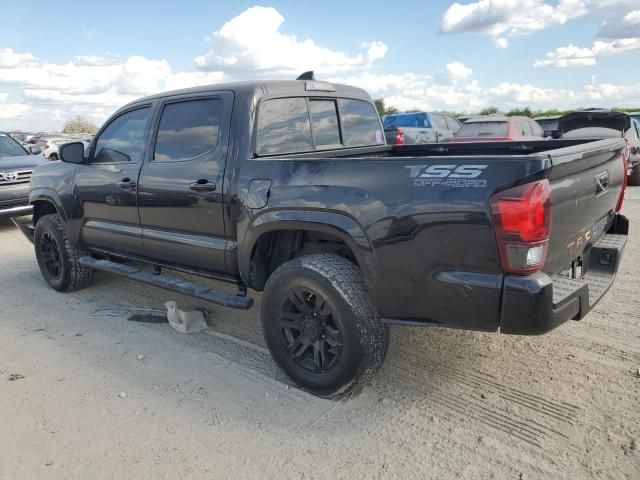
[{"x": 585, "y": 189}]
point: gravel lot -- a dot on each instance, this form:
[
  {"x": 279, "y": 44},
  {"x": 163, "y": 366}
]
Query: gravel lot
[{"x": 446, "y": 404}]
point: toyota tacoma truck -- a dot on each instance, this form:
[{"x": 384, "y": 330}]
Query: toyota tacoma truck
[
  {"x": 288, "y": 188},
  {"x": 16, "y": 165}
]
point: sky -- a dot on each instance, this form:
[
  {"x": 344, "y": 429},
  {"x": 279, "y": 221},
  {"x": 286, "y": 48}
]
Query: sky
[{"x": 62, "y": 59}]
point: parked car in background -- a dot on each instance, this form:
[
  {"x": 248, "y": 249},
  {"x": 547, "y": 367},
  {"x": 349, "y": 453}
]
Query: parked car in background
[
  {"x": 549, "y": 125},
  {"x": 635, "y": 116},
  {"x": 419, "y": 127},
  {"x": 498, "y": 128},
  {"x": 51, "y": 147},
  {"x": 594, "y": 124},
  {"x": 16, "y": 165}
]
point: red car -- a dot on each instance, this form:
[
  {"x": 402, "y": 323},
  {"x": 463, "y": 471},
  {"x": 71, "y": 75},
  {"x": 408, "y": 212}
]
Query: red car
[{"x": 498, "y": 128}]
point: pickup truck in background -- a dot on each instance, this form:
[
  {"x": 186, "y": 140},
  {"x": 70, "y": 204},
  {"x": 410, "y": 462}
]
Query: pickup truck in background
[
  {"x": 288, "y": 188},
  {"x": 419, "y": 127},
  {"x": 594, "y": 124}
]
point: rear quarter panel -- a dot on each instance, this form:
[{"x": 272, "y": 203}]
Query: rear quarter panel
[{"x": 427, "y": 249}]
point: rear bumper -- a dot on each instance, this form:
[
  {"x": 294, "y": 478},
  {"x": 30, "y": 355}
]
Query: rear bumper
[{"x": 537, "y": 303}]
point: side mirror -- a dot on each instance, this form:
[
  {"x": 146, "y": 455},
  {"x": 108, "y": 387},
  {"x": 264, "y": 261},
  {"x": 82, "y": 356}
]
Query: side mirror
[
  {"x": 72, "y": 152},
  {"x": 35, "y": 150}
]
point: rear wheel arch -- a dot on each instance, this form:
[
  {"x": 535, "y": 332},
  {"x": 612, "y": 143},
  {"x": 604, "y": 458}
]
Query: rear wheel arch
[{"x": 278, "y": 243}]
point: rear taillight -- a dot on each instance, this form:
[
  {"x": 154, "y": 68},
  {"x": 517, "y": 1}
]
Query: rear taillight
[
  {"x": 522, "y": 220},
  {"x": 625, "y": 166},
  {"x": 46, "y": 145},
  {"x": 399, "y": 137}
]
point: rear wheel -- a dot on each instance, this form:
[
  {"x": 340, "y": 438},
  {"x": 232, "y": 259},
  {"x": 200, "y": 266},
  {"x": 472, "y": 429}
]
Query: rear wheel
[
  {"x": 634, "y": 178},
  {"x": 57, "y": 258},
  {"x": 53, "y": 157},
  {"x": 321, "y": 326}
]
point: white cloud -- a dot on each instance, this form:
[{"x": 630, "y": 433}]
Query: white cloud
[
  {"x": 500, "y": 18},
  {"x": 454, "y": 72},
  {"x": 253, "y": 43},
  {"x": 502, "y": 42},
  {"x": 622, "y": 26},
  {"x": 11, "y": 59},
  {"x": 507, "y": 18},
  {"x": 572, "y": 56},
  {"x": 12, "y": 110}
]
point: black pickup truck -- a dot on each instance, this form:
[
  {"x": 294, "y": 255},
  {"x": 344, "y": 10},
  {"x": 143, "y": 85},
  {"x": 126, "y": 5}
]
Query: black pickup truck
[{"x": 287, "y": 187}]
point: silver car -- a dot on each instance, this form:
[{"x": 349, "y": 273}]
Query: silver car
[{"x": 419, "y": 127}]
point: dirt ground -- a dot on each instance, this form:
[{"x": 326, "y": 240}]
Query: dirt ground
[{"x": 447, "y": 403}]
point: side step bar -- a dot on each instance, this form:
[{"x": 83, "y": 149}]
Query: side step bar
[
  {"x": 168, "y": 282},
  {"x": 25, "y": 226}
]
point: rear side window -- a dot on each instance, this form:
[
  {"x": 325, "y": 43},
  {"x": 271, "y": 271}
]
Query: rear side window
[
  {"x": 483, "y": 129},
  {"x": 188, "y": 129},
  {"x": 438, "y": 121},
  {"x": 324, "y": 120},
  {"x": 283, "y": 127},
  {"x": 360, "y": 123},
  {"x": 536, "y": 129},
  {"x": 523, "y": 128},
  {"x": 123, "y": 139}
]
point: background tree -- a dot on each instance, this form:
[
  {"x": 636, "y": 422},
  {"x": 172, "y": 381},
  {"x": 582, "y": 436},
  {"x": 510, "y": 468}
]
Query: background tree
[
  {"x": 489, "y": 111},
  {"x": 383, "y": 109},
  {"x": 79, "y": 125}
]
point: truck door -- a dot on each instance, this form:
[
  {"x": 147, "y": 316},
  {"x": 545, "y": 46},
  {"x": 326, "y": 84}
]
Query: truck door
[
  {"x": 105, "y": 186},
  {"x": 180, "y": 195}
]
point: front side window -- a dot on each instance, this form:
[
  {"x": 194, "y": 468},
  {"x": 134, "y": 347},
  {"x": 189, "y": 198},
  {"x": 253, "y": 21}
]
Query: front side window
[
  {"x": 360, "y": 123},
  {"x": 123, "y": 139},
  {"x": 188, "y": 129},
  {"x": 283, "y": 127},
  {"x": 324, "y": 120}
]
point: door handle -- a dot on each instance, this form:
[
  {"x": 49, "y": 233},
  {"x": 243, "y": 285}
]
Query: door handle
[
  {"x": 126, "y": 184},
  {"x": 203, "y": 186}
]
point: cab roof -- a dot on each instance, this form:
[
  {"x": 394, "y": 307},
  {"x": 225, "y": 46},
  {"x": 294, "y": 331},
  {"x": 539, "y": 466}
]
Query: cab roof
[{"x": 267, "y": 88}]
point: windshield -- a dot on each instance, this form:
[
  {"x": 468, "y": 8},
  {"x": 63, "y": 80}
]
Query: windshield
[
  {"x": 483, "y": 129},
  {"x": 9, "y": 147},
  {"x": 407, "y": 120}
]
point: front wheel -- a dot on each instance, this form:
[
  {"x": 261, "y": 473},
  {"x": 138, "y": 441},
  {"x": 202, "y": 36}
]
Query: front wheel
[
  {"x": 57, "y": 258},
  {"x": 321, "y": 326}
]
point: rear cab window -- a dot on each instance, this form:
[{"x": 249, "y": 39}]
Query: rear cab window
[
  {"x": 407, "y": 120},
  {"x": 301, "y": 124},
  {"x": 483, "y": 129}
]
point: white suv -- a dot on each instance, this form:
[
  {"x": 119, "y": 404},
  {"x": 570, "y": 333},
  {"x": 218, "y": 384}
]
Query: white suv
[{"x": 50, "y": 148}]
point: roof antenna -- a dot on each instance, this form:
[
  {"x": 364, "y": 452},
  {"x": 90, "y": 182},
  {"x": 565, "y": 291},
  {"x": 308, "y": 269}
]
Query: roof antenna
[{"x": 307, "y": 76}]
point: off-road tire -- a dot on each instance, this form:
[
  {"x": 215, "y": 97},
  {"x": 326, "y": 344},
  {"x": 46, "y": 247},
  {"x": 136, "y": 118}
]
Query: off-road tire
[
  {"x": 72, "y": 275},
  {"x": 365, "y": 339}
]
